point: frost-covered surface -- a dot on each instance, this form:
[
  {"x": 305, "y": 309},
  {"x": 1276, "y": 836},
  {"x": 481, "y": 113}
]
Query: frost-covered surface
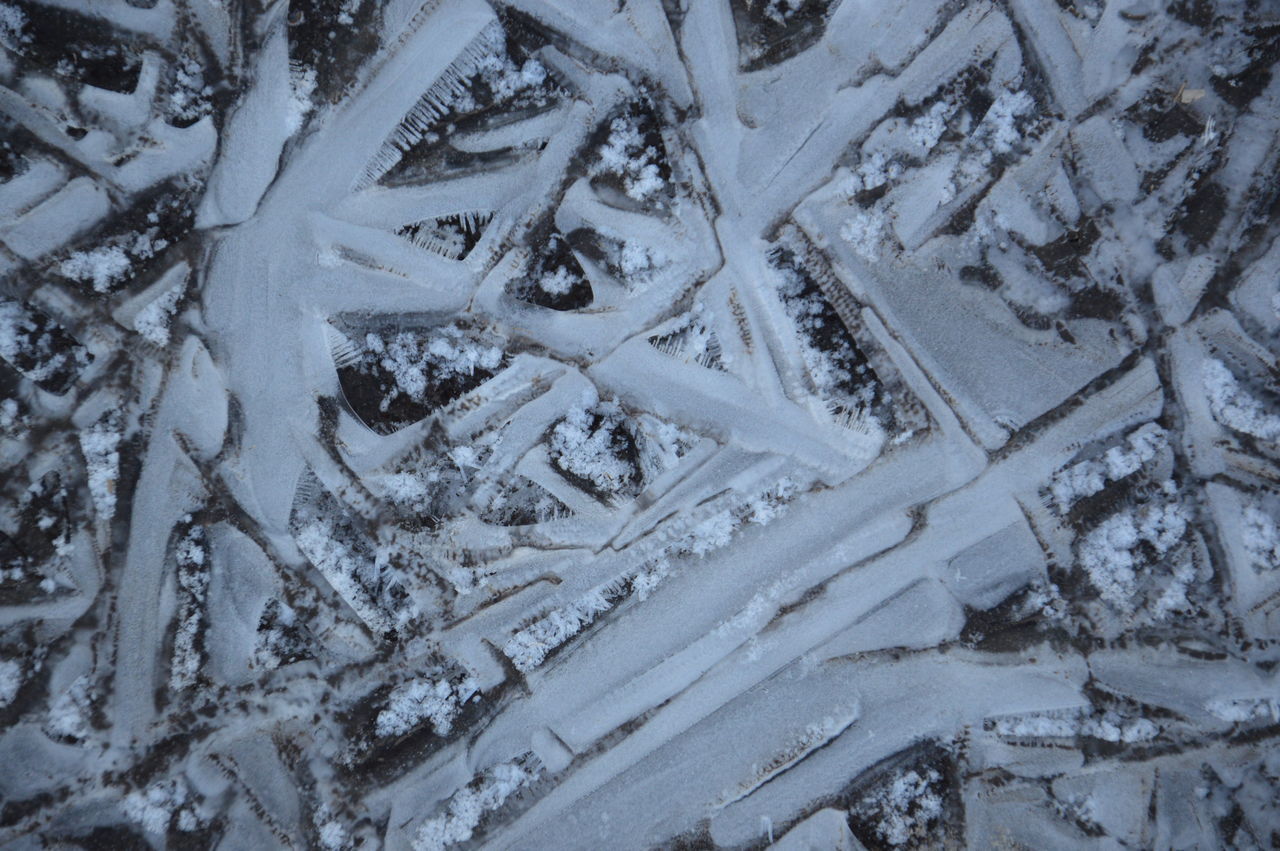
[
  {"x": 470, "y": 804},
  {"x": 1086, "y": 478},
  {"x": 424, "y": 700},
  {"x": 639, "y": 425},
  {"x": 595, "y": 444},
  {"x": 100, "y": 444},
  {"x": 1235, "y": 407},
  {"x": 905, "y": 812}
]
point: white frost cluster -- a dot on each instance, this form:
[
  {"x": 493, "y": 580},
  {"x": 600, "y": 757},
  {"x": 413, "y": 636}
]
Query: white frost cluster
[
  {"x": 69, "y": 714},
  {"x": 692, "y": 339},
  {"x": 584, "y": 445},
  {"x": 780, "y": 11},
  {"x": 716, "y": 530},
  {"x": 1234, "y": 407},
  {"x": 13, "y": 23},
  {"x": 193, "y": 579},
  {"x": 1089, "y": 477},
  {"x": 10, "y": 681},
  {"x": 152, "y": 322},
  {"x": 529, "y": 646},
  {"x": 362, "y": 581},
  {"x": 27, "y": 342},
  {"x": 103, "y": 266},
  {"x": 902, "y": 812},
  {"x": 189, "y": 95},
  {"x": 559, "y": 282},
  {"x": 1108, "y": 552},
  {"x": 424, "y": 699},
  {"x": 999, "y": 124},
  {"x": 1261, "y": 537},
  {"x": 302, "y": 84},
  {"x": 109, "y": 264},
  {"x": 469, "y": 804},
  {"x": 636, "y": 259},
  {"x": 927, "y": 129},
  {"x": 418, "y": 361},
  {"x": 503, "y": 77},
  {"x": 864, "y": 231},
  {"x": 334, "y": 835},
  {"x": 1238, "y": 710},
  {"x": 625, "y": 155},
  {"x": 1108, "y": 727},
  {"x": 10, "y": 416},
  {"x": 100, "y": 444},
  {"x": 153, "y": 808}
]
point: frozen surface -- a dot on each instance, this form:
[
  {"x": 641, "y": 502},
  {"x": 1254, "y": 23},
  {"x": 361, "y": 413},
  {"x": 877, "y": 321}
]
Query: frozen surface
[{"x": 689, "y": 424}]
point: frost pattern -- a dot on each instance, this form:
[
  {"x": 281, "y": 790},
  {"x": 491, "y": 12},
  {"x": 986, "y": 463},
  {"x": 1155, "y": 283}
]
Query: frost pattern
[
  {"x": 1234, "y": 407},
  {"x": 193, "y": 580},
  {"x": 628, "y": 156},
  {"x": 1261, "y": 537},
  {"x": 1108, "y": 554},
  {"x": 595, "y": 444},
  {"x": 531, "y": 645},
  {"x": 100, "y": 444},
  {"x": 437, "y": 701},
  {"x": 469, "y": 804},
  {"x": 1087, "y": 478},
  {"x": 905, "y": 811},
  {"x": 69, "y": 714},
  {"x": 10, "y": 681},
  {"x": 152, "y": 322}
]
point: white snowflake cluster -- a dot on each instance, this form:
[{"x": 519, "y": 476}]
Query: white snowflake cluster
[
  {"x": 10, "y": 681},
  {"x": 586, "y": 442},
  {"x": 837, "y": 368},
  {"x": 13, "y": 25},
  {"x": 10, "y": 415},
  {"x": 1261, "y": 537},
  {"x": 69, "y": 714},
  {"x": 625, "y": 155},
  {"x": 1240, "y": 710},
  {"x": 365, "y": 582},
  {"x": 781, "y": 11},
  {"x": 1234, "y": 407},
  {"x": 417, "y": 361},
  {"x": 27, "y": 343},
  {"x": 504, "y": 78},
  {"x": 692, "y": 339},
  {"x": 153, "y": 808},
  {"x": 107, "y": 265},
  {"x": 1108, "y": 726},
  {"x": 278, "y": 639},
  {"x": 865, "y": 231},
  {"x": 903, "y": 812},
  {"x": 529, "y": 646},
  {"x": 302, "y": 85},
  {"x": 1089, "y": 477},
  {"x": 424, "y": 699},
  {"x": 1108, "y": 553},
  {"x": 100, "y": 444},
  {"x": 152, "y": 322},
  {"x": 558, "y": 282},
  {"x": 469, "y": 804},
  {"x": 189, "y": 95},
  {"x": 887, "y": 155},
  {"x": 193, "y": 579}
]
